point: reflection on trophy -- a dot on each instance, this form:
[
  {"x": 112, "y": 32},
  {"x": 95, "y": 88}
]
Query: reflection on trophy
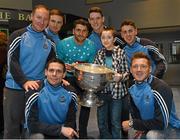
[{"x": 92, "y": 78}]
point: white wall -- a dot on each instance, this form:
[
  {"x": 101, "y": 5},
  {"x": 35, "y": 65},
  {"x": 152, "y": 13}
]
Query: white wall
[{"x": 146, "y": 13}]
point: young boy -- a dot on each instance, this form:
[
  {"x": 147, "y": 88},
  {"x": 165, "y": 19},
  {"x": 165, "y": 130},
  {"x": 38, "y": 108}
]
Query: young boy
[{"x": 114, "y": 58}]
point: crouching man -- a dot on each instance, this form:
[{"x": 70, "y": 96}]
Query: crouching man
[
  {"x": 51, "y": 111},
  {"x": 151, "y": 103}
]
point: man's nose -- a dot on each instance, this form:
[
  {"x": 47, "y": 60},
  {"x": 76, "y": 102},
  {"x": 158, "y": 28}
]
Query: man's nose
[
  {"x": 139, "y": 68},
  {"x": 54, "y": 72},
  {"x": 81, "y": 32}
]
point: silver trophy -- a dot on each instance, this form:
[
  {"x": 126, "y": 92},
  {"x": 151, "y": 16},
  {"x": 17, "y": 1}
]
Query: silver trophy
[{"x": 92, "y": 78}]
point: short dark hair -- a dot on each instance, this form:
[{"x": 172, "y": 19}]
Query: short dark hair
[
  {"x": 96, "y": 10},
  {"x": 82, "y": 22},
  {"x": 128, "y": 22},
  {"x": 110, "y": 29},
  {"x": 56, "y": 12},
  {"x": 140, "y": 55},
  {"x": 56, "y": 60},
  {"x": 38, "y": 7}
]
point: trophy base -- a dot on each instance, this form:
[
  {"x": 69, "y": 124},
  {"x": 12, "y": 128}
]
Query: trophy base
[{"x": 90, "y": 100}]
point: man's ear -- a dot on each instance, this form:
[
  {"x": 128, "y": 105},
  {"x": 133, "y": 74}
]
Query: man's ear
[
  {"x": 103, "y": 19},
  {"x": 64, "y": 75},
  {"x": 45, "y": 72},
  {"x": 130, "y": 70},
  {"x": 150, "y": 69},
  {"x": 31, "y": 17},
  {"x": 114, "y": 40}
]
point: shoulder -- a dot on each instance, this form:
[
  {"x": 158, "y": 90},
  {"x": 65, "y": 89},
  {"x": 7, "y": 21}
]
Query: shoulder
[
  {"x": 90, "y": 44},
  {"x": 102, "y": 51},
  {"x": 146, "y": 41},
  {"x": 118, "y": 50},
  {"x": 16, "y": 35},
  {"x": 88, "y": 41},
  {"x": 161, "y": 87},
  {"x": 19, "y": 32},
  {"x": 48, "y": 35},
  {"x": 149, "y": 44},
  {"x": 91, "y": 36},
  {"x": 71, "y": 91},
  {"x": 67, "y": 39},
  {"x": 159, "y": 83},
  {"x": 119, "y": 40}
]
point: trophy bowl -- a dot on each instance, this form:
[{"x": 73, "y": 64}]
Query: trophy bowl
[{"x": 92, "y": 78}]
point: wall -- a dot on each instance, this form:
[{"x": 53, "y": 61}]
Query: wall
[
  {"x": 146, "y": 13},
  {"x": 16, "y": 4}
]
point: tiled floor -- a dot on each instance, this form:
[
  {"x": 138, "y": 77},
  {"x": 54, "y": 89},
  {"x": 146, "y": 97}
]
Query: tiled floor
[{"x": 93, "y": 129}]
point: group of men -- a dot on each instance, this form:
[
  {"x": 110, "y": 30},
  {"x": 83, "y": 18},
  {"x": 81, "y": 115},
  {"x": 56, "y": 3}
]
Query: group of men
[{"x": 49, "y": 104}]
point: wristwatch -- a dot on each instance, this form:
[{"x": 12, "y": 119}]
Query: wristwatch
[{"x": 131, "y": 123}]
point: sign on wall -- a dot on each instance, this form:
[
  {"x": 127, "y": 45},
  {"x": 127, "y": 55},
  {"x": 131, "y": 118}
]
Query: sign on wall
[
  {"x": 12, "y": 19},
  {"x": 8, "y": 14}
]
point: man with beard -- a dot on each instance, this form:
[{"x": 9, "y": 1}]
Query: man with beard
[{"x": 78, "y": 49}]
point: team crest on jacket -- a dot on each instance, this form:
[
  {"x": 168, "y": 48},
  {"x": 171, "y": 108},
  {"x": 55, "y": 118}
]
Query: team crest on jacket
[
  {"x": 62, "y": 99},
  {"x": 147, "y": 99},
  {"x": 45, "y": 46}
]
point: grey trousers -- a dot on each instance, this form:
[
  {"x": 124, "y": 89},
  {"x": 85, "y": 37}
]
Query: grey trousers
[
  {"x": 13, "y": 106},
  {"x": 168, "y": 133}
]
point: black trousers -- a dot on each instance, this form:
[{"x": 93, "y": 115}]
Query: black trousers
[
  {"x": 84, "y": 111},
  {"x": 1, "y": 106},
  {"x": 125, "y": 115}
]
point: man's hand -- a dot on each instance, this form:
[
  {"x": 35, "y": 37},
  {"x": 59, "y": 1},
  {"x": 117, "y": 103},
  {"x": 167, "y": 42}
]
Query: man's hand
[
  {"x": 138, "y": 134},
  {"x": 34, "y": 85},
  {"x": 65, "y": 82},
  {"x": 117, "y": 77},
  {"x": 125, "y": 125},
  {"x": 70, "y": 67},
  {"x": 69, "y": 132}
]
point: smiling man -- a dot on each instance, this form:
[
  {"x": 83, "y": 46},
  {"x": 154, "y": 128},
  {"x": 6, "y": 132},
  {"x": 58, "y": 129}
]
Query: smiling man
[
  {"x": 96, "y": 20},
  {"x": 29, "y": 50},
  {"x": 51, "y": 111},
  {"x": 55, "y": 24},
  {"x": 75, "y": 49},
  {"x": 135, "y": 44},
  {"x": 151, "y": 102}
]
